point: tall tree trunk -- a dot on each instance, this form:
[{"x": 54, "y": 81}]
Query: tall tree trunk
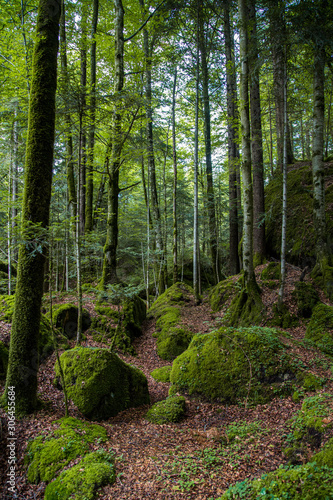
[
  {"x": 160, "y": 263},
  {"x": 111, "y": 244},
  {"x": 174, "y": 197},
  {"x": 91, "y": 137},
  {"x": 82, "y": 113},
  {"x": 69, "y": 137},
  {"x": 196, "y": 245},
  {"x": 213, "y": 241},
  {"x": 246, "y": 146},
  {"x": 324, "y": 258},
  {"x": 259, "y": 246},
  {"x": 233, "y": 150},
  {"x": 23, "y": 354}
]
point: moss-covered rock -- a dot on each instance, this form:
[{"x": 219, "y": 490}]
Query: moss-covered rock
[
  {"x": 172, "y": 342},
  {"x": 304, "y": 482},
  {"x": 100, "y": 383},
  {"x": 325, "y": 455},
  {"x": 219, "y": 365},
  {"x": 306, "y": 297},
  {"x": 282, "y": 317},
  {"x": 82, "y": 481},
  {"x": 171, "y": 409},
  {"x": 65, "y": 318},
  {"x": 300, "y": 236},
  {"x": 220, "y": 294},
  {"x": 246, "y": 308},
  {"x": 162, "y": 374},
  {"x": 308, "y": 427},
  {"x": 320, "y": 328},
  {"x": 134, "y": 313},
  {"x": 177, "y": 294},
  {"x": 4, "y": 352},
  {"x": 271, "y": 272},
  {"x": 48, "y": 453}
]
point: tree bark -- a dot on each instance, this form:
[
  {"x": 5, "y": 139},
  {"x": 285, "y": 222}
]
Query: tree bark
[
  {"x": 91, "y": 136},
  {"x": 23, "y": 354},
  {"x": 196, "y": 246},
  {"x": 259, "y": 245},
  {"x": 174, "y": 197},
  {"x": 111, "y": 244},
  {"x": 233, "y": 149}
]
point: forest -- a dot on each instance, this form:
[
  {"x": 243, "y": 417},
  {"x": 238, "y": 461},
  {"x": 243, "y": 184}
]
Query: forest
[{"x": 166, "y": 267}]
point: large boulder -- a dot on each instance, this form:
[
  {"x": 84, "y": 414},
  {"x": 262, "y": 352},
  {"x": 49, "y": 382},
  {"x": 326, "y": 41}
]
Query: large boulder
[
  {"x": 231, "y": 365},
  {"x": 65, "y": 318},
  {"x": 100, "y": 384}
]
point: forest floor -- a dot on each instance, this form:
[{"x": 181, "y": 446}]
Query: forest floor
[{"x": 186, "y": 460}]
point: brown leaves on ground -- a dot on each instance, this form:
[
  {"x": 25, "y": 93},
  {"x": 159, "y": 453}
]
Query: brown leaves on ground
[{"x": 187, "y": 460}]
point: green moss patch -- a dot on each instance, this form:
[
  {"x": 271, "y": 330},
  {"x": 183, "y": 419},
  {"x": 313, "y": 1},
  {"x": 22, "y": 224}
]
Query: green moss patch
[
  {"x": 65, "y": 318},
  {"x": 219, "y": 365},
  {"x": 306, "y": 482},
  {"x": 320, "y": 328},
  {"x": 171, "y": 409},
  {"x": 271, "y": 272},
  {"x": 282, "y": 317},
  {"x": 220, "y": 294},
  {"x": 177, "y": 294},
  {"x": 7, "y": 307},
  {"x": 48, "y": 453},
  {"x": 82, "y": 481},
  {"x": 306, "y": 298},
  {"x": 162, "y": 374},
  {"x": 325, "y": 455},
  {"x": 246, "y": 308},
  {"x": 100, "y": 383}
]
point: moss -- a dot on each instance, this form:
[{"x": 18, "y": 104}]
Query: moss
[
  {"x": 217, "y": 366},
  {"x": 306, "y": 297},
  {"x": 306, "y": 482},
  {"x": 65, "y": 318},
  {"x": 7, "y": 307},
  {"x": 48, "y": 453},
  {"x": 3, "y": 360},
  {"x": 169, "y": 318},
  {"x": 134, "y": 313},
  {"x": 172, "y": 342},
  {"x": 177, "y": 294},
  {"x": 323, "y": 275},
  {"x": 4, "y": 268},
  {"x": 308, "y": 426},
  {"x": 162, "y": 374},
  {"x": 282, "y": 317},
  {"x": 245, "y": 309},
  {"x": 171, "y": 409},
  {"x": 325, "y": 455},
  {"x": 270, "y": 284},
  {"x": 100, "y": 383},
  {"x": 320, "y": 328},
  {"x": 271, "y": 272},
  {"x": 105, "y": 310},
  {"x": 222, "y": 292},
  {"x": 96, "y": 469}
]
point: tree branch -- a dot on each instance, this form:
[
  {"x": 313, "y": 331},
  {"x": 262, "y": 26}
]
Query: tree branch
[{"x": 145, "y": 22}]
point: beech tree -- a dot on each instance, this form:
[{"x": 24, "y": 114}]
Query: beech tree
[{"x": 23, "y": 353}]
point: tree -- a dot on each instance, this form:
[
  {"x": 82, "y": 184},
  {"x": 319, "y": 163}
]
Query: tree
[{"x": 23, "y": 354}]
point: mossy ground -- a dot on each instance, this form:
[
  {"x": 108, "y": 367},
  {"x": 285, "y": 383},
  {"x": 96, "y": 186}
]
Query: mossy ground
[
  {"x": 171, "y": 409},
  {"x": 162, "y": 374},
  {"x": 172, "y": 337},
  {"x": 218, "y": 366},
  {"x": 83, "y": 480},
  {"x": 48, "y": 453},
  {"x": 320, "y": 328},
  {"x": 100, "y": 383}
]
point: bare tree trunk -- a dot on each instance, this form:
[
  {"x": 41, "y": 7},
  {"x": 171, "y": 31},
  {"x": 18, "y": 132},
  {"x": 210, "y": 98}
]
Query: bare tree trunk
[
  {"x": 82, "y": 113},
  {"x": 174, "y": 197},
  {"x": 91, "y": 137},
  {"x": 196, "y": 269},
  {"x": 259, "y": 245},
  {"x": 233, "y": 149}
]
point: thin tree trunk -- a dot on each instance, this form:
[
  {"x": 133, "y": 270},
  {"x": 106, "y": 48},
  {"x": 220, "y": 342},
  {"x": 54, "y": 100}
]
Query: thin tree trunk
[
  {"x": 82, "y": 113},
  {"x": 110, "y": 248},
  {"x": 259, "y": 245},
  {"x": 196, "y": 269},
  {"x": 174, "y": 197},
  {"x": 23, "y": 354},
  {"x": 91, "y": 136},
  {"x": 233, "y": 149},
  {"x": 213, "y": 242}
]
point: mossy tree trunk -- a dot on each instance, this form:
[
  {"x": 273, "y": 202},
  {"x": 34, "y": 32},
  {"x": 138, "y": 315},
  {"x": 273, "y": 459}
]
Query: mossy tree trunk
[
  {"x": 174, "y": 195},
  {"x": 111, "y": 244},
  {"x": 233, "y": 149},
  {"x": 196, "y": 243},
  {"x": 23, "y": 355},
  {"x": 324, "y": 258}
]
